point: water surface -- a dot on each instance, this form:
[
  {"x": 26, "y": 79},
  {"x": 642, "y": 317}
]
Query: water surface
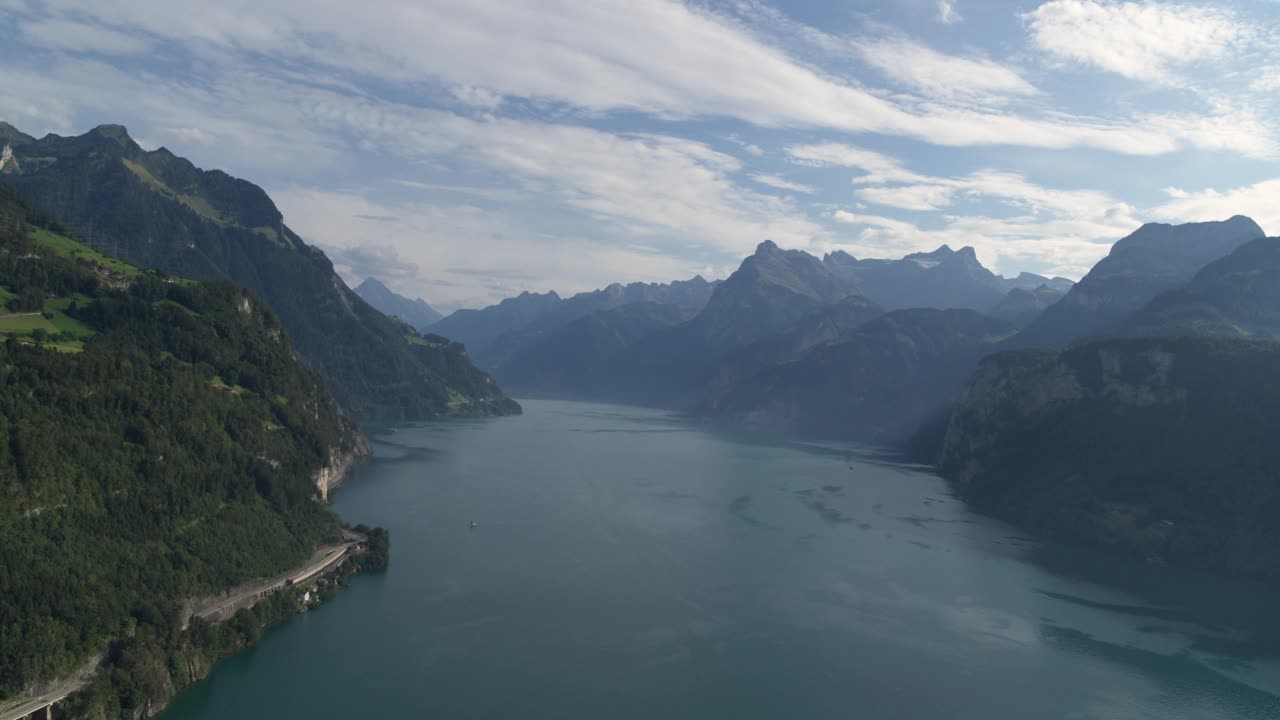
[{"x": 629, "y": 565}]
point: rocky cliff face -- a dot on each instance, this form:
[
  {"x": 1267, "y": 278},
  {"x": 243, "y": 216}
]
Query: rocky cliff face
[
  {"x": 342, "y": 460},
  {"x": 1160, "y": 448}
]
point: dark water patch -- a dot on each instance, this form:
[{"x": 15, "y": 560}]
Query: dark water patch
[{"x": 830, "y": 514}]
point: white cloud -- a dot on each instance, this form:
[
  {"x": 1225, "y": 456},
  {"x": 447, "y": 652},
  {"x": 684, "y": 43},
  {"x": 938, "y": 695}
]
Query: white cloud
[
  {"x": 780, "y": 183},
  {"x": 938, "y": 75},
  {"x": 431, "y": 250},
  {"x": 947, "y": 13},
  {"x": 1057, "y": 231},
  {"x": 80, "y": 37},
  {"x": 877, "y": 167},
  {"x": 1260, "y": 201},
  {"x": 908, "y": 197},
  {"x": 1266, "y": 80},
  {"x": 1139, "y": 40},
  {"x": 600, "y": 57}
]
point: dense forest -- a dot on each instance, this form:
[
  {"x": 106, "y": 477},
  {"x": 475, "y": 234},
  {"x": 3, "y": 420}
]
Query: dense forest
[{"x": 158, "y": 442}]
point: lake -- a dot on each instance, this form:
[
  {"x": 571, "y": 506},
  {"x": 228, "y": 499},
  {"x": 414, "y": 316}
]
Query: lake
[{"x": 627, "y": 564}]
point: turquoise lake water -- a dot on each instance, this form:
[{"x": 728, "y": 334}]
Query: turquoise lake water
[{"x": 627, "y": 564}]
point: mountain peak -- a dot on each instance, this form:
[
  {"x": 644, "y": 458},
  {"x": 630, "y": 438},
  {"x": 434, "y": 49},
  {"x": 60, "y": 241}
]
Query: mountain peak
[
  {"x": 117, "y": 133},
  {"x": 12, "y": 135},
  {"x": 371, "y": 283},
  {"x": 767, "y": 246}
]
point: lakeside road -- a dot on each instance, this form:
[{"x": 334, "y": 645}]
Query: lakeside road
[
  {"x": 220, "y": 608},
  {"x": 214, "y": 610},
  {"x": 36, "y": 704}
]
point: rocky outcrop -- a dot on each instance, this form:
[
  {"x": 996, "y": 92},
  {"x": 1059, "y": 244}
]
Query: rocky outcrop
[{"x": 342, "y": 460}]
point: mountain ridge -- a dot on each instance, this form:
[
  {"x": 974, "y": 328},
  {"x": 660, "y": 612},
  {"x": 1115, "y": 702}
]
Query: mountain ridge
[{"x": 159, "y": 210}]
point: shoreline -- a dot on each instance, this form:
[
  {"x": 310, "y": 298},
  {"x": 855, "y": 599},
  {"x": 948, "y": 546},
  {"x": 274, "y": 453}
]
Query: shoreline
[{"x": 259, "y": 605}]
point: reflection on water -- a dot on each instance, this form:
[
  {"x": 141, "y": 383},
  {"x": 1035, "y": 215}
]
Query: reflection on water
[{"x": 629, "y": 565}]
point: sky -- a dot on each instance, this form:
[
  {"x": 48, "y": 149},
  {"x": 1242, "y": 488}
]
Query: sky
[{"x": 468, "y": 150}]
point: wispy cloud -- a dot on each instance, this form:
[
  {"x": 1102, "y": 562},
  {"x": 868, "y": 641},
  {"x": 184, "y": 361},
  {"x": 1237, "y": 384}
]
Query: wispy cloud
[
  {"x": 947, "y": 13},
  {"x": 1058, "y": 231},
  {"x": 942, "y": 76},
  {"x": 1140, "y": 40},
  {"x": 81, "y": 37},
  {"x": 781, "y": 183},
  {"x": 599, "y": 57},
  {"x": 1258, "y": 200}
]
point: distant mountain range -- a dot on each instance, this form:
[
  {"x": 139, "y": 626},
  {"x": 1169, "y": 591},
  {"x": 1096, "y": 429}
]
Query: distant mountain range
[
  {"x": 693, "y": 345},
  {"x": 159, "y": 211},
  {"x": 417, "y": 313},
  {"x": 944, "y": 278}
]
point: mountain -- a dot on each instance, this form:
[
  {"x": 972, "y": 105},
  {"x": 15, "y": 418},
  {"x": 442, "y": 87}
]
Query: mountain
[
  {"x": 771, "y": 291},
  {"x": 158, "y": 210},
  {"x": 496, "y": 333},
  {"x": 1163, "y": 449},
  {"x": 416, "y": 312},
  {"x": 941, "y": 279},
  {"x": 1023, "y": 305},
  {"x": 159, "y": 441},
  {"x": 477, "y": 328},
  {"x": 1152, "y": 260},
  {"x": 877, "y": 385},
  {"x": 1032, "y": 281},
  {"x": 1237, "y": 296},
  {"x": 831, "y": 323},
  {"x": 557, "y": 362}
]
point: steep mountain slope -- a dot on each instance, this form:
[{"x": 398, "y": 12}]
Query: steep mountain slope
[
  {"x": 1022, "y": 306},
  {"x": 159, "y": 440},
  {"x": 1160, "y": 448},
  {"x": 1152, "y": 260},
  {"x": 416, "y": 312},
  {"x": 1237, "y": 296},
  {"x": 556, "y": 362},
  {"x": 158, "y": 210},
  {"x": 889, "y": 375}
]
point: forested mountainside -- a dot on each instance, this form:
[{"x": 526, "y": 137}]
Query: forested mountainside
[
  {"x": 157, "y": 210},
  {"x": 1162, "y": 448},
  {"x": 159, "y": 441},
  {"x": 417, "y": 313}
]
